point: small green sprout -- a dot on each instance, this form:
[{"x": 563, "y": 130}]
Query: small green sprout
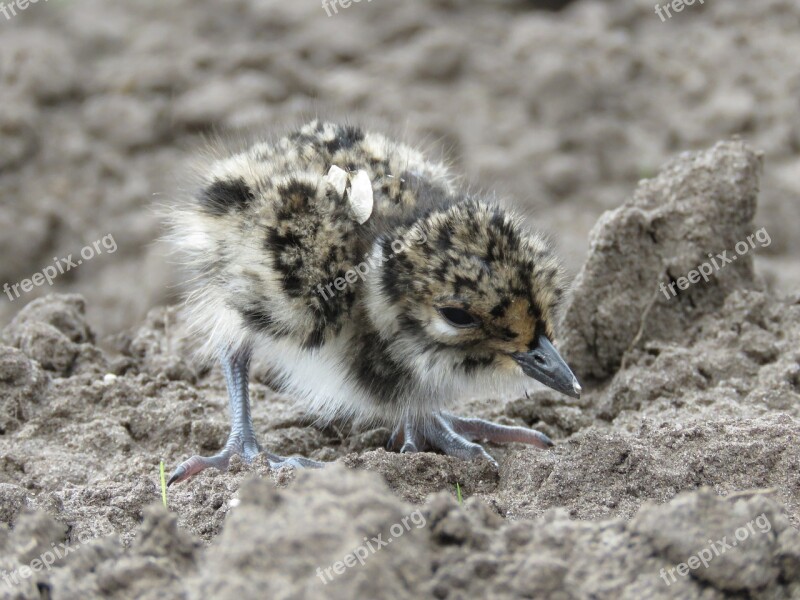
[
  {"x": 458, "y": 493},
  {"x": 163, "y": 485},
  {"x": 647, "y": 172}
]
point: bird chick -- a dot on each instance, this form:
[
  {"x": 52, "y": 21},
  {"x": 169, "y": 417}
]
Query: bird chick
[{"x": 372, "y": 287}]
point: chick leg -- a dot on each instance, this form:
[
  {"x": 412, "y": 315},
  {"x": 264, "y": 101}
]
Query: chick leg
[
  {"x": 455, "y": 436},
  {"x": 242, "y": 438}
]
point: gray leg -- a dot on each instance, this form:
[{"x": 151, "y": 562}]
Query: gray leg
[
  {"x": 455, "y": 436},
  {"x": 242, "y": 438}
]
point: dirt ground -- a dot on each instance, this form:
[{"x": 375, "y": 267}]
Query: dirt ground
[{"x": 646, "y": 148}]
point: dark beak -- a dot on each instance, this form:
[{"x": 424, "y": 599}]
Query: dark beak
[{"x": 545, "y": 365}]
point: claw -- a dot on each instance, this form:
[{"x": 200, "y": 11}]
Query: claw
[{"x": 409, "y": 448}]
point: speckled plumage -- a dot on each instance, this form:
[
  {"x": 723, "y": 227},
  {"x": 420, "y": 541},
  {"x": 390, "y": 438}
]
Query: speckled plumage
[{"x": 271, "y": 242}]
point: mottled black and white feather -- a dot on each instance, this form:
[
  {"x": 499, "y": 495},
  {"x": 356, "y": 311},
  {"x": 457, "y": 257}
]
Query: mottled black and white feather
[{"x": 344, "y": 291}]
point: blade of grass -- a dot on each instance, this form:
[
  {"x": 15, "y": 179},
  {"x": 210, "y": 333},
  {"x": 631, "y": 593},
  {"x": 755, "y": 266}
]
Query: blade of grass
[
  {"x": 458, "y": 493},
  {"x": 163, "y": 485}
]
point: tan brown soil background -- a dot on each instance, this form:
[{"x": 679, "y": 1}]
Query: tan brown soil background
[{"x": 102, "y": 106}]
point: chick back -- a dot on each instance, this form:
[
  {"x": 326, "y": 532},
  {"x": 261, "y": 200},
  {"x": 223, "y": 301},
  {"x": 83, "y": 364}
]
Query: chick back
[{"x": 264, "y": 230}]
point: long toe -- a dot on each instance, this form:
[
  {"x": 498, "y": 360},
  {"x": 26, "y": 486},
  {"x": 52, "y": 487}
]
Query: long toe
[
  {"x": 463, "y": 448},
  {"x": 296, "y": 462},
  {"x": 194, "y": 465},
  {"x": 440, "y": 435},
  {"x": 478, "y": 429}
]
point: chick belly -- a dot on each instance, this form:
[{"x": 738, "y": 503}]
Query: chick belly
[{"x": 321, "y": 379}]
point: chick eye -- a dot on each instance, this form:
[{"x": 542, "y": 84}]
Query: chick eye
[{"x": 458, "y": 317}]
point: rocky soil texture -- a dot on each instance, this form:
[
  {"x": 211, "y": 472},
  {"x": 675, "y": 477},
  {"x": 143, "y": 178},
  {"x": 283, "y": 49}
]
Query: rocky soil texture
[
  {"x": 677, "y": 475},
  {"x": 683, "y": 448}
]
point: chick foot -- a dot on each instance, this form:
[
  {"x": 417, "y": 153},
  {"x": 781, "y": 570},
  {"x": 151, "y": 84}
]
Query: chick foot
[
  {"x": 221, "y": 460},
  {"x": 242, "y": 438},
  {"x": 455, "y": 436}
]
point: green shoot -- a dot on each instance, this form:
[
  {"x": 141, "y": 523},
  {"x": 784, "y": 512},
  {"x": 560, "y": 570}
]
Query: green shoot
[
  {"x": 458, "y": 493},
  {"x": 163, "y": 485}
]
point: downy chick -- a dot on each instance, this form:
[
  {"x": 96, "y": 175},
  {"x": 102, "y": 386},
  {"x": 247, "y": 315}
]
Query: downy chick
[{"x": 372, "y": 287}]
